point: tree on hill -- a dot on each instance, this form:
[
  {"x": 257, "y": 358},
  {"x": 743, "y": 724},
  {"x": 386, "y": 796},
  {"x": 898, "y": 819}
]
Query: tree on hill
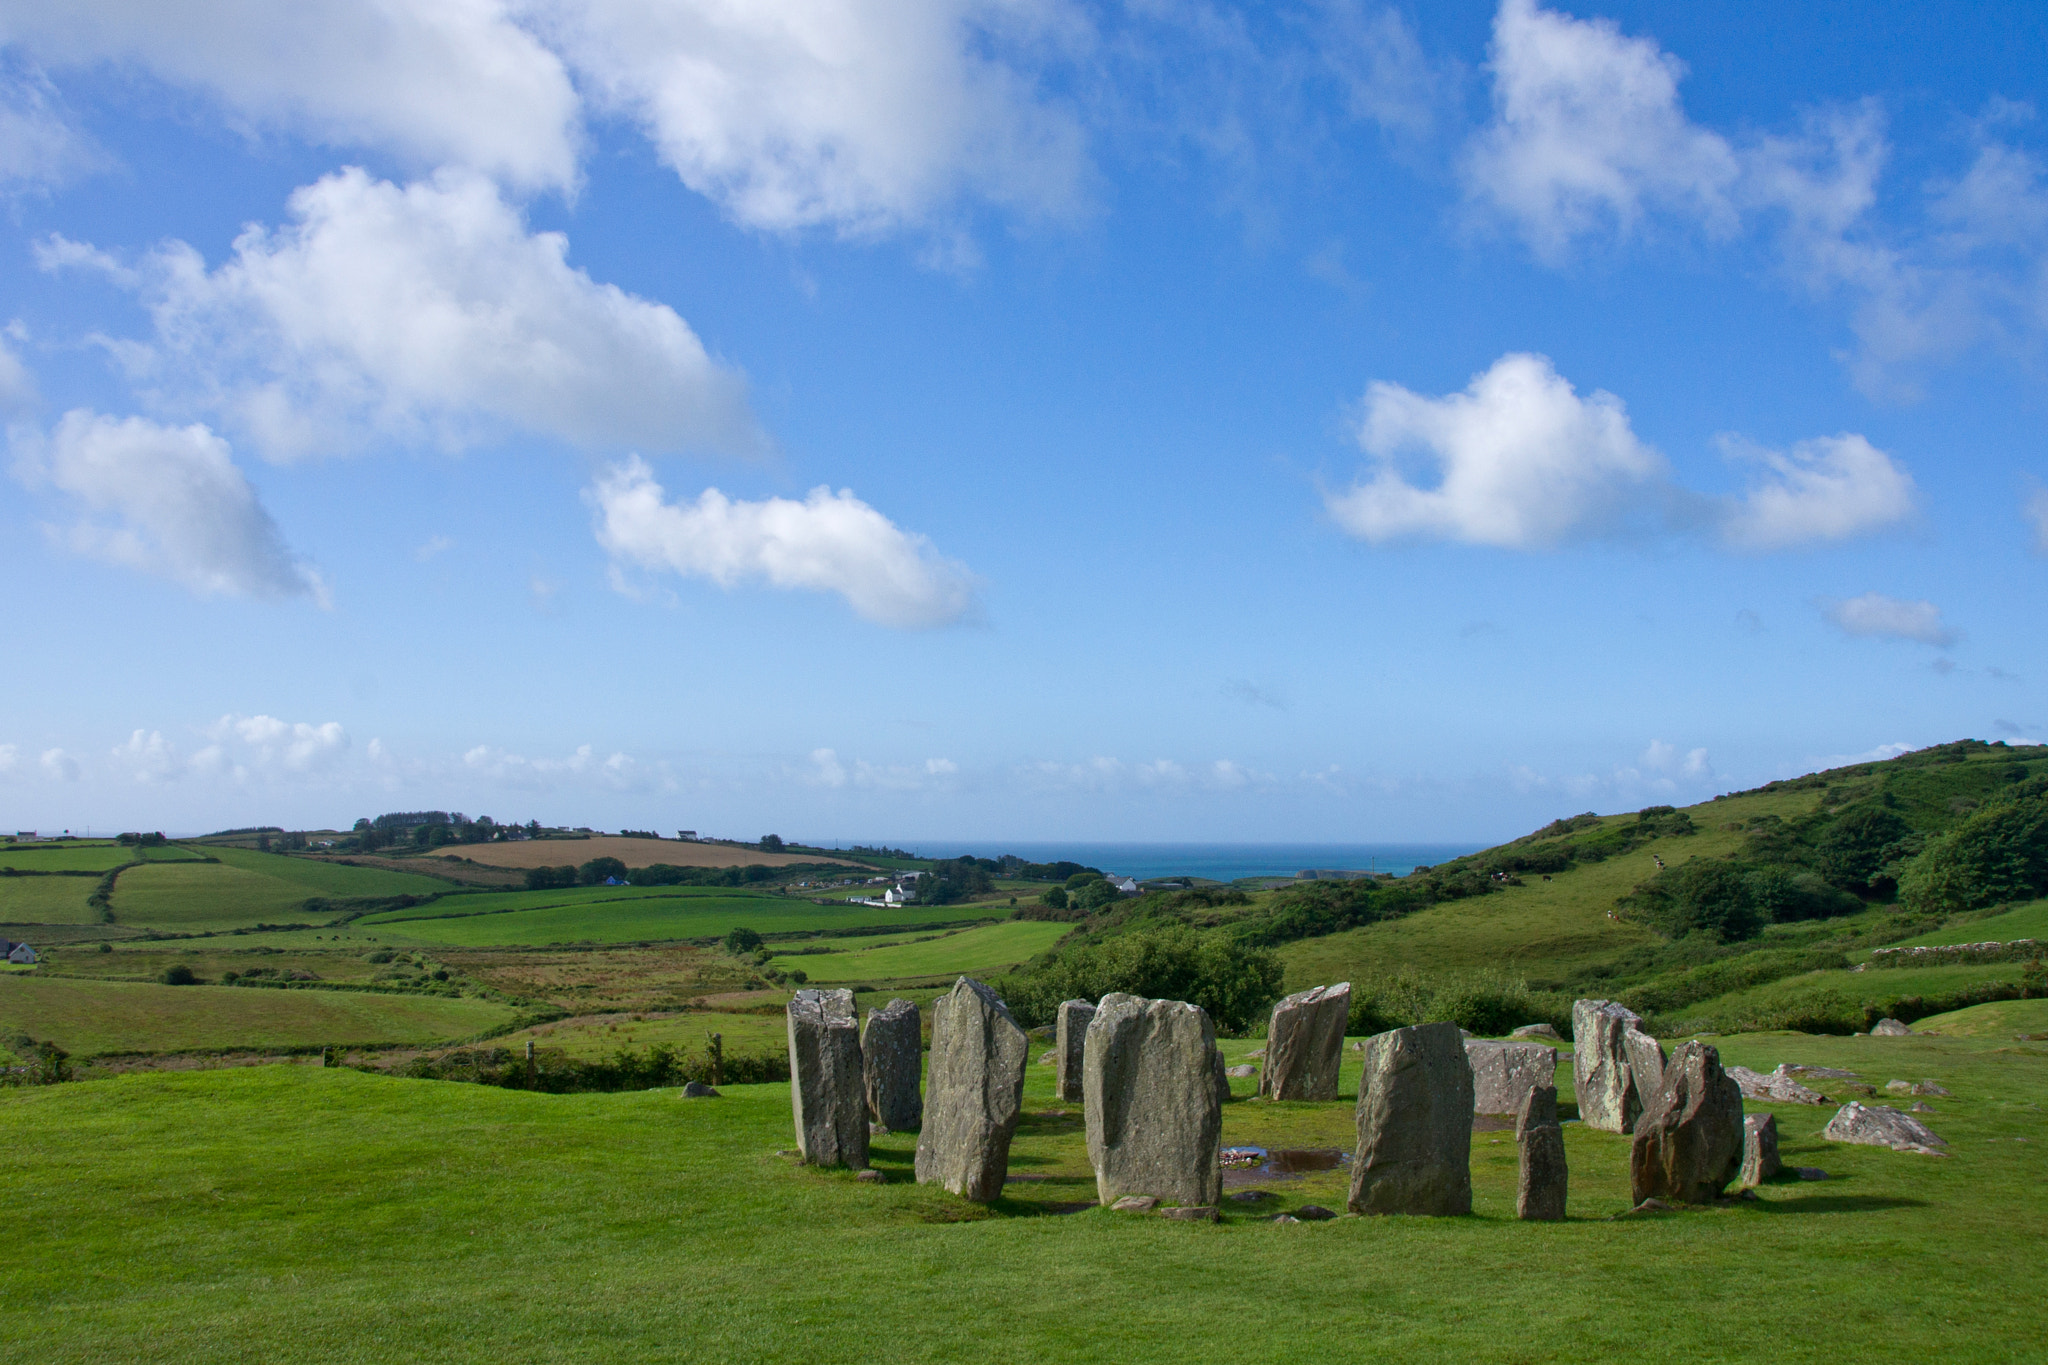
[
  {"x": 594, "y": 872},
  {"x": 742, "y": 941},
  {"x": 1995, "y": 855}
]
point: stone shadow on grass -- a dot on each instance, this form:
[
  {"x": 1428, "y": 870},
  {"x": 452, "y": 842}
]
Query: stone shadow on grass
[{"x": 1838, "y": 1203}]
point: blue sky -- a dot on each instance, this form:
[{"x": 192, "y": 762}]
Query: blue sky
[{"x": 1011, "y": 419}]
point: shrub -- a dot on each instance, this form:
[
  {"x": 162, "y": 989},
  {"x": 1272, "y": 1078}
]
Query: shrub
[
  {"x": 1996, "y": 854},
  {"x": 1234, "y": 984},
  {"x": 1054, "y": 897},
  {"x": 178, "y": 974},
  {"x": 594, "y": 872},
  {"x": 549, "y": 878},
  {"x": 742, "y": 941}
]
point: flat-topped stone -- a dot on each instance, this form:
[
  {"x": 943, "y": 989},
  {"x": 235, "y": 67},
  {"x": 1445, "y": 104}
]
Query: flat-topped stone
[
  {"x": 1775, "y": 1086},
  {"x": 827, "y": 1092},
  {"x": 1503, "y": 1074},
  {"x": 1414, "y": 1124},
  {"x": 1880, "y": 1125},
  {"x": 892, "y": 1055},
  {"x": 1150, "y": 1072}
]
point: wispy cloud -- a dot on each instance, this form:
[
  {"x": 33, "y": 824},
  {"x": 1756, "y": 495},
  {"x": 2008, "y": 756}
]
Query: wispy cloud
[{"x": 1875, "y": 616}]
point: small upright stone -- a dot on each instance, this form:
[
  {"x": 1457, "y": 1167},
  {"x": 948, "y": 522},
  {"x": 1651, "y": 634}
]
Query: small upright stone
[
  {"x": 1414, "y": 1124},
  {"x": 1305, "y": 1044},
  {"x": 892, "y": 1055},
  {"x": 1688, "y": 1142},
  {"x": 1759, "y": 1150},
  {"x": 975, "y": 1094},
  {"x": 1543, "y": 1179},
  {"x": 1072, "y": 1036},
  {"x": 1149, "y": 1081},
  {"x": 1616, "y": 1067},
  {"x": 826, "y": 1094},
  {"x": 1503, "y": 1074}
]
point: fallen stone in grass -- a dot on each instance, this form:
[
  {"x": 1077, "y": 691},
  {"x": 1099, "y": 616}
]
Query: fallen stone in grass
[
  {"x": 1832, "y": 1073},
  {"x": 1889, "y": 1028},
  {"x": 1259, "y": 1053},
  {"x": 1204, "y": 1213},
  {"x": 1503, "y": 1074},
  {"x": 1810, "y": 1173},
  {"x": 1928, "y": 1088},
  {"x": 1240, "y": 1072},
  {"x": 1880, "y": 1125},
  {"x": 1776, "y": 1086},
  {"x": 1305, "y": 1044},
  {"x": 1535, "y": 1031},
  {"x": 1250, "y": 1196},
  {"x": 1283, "y": 1218},
  {"x": 697, "y": 1090},
  {"x": 1049, "y": 1057},
  {"x": 1314, "y": 1213},
  {"x": 1759, "y": 1149},
  {"x": 1647, "y": 1207},
  {"x": 1135, "y": 1203},
  {"x": 1921, "y": 1107},
  {"x": 1151, "y": 1074},
  {"x": 1414, "y": 1124},
  {"x": 1688, "y": 1142},
  {"x": 870, "y": 1176},
  {"x": 976, "y": 1093}
]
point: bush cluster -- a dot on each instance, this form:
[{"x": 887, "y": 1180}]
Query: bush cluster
[
  {"x": 555, "y": 1072},
  {"x": 1233, "y": 983}
]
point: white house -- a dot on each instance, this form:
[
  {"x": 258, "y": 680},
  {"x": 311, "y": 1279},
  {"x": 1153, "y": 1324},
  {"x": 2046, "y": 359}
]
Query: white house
[
  {"x": 22, "y": 954},
  {"x": 1126, "y": 885}
]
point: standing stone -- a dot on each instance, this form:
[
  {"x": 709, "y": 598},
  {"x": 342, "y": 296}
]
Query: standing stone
[
  {"x": 1615, "y": 1067},
  {"x": 892, "y": 1055},
  {"x": 974, "y": 1094},
  {"x": 1503, "y": 1074},
  {"x": 1541, "y": 1187},
  {"x": 1305, "y": 1044},
  {"x": 1149, "y": 1080},
  {"x": 1759, "y": 1150},
  {"x": 1072, "y": 1035},
  {"x": 1414, "y": 1124},
  {"x": 1688, "y": 1142},
  {"x": 825, "y": 1087}
]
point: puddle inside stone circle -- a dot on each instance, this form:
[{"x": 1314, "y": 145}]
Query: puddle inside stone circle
[{"x": 1244, "y": 1165}]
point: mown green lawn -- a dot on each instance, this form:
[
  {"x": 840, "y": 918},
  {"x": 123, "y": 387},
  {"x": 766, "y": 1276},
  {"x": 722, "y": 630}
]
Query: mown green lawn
[
  {"x": 46, "y": 900},
  {"x": 651, "y": 917},
  {"x": 294, "y": 1213},
  {"x": 90, "y": 1017},
  {"x": 987, "y": 950}
]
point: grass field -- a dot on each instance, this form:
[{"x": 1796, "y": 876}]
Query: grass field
[
  {"x": 247, "y": 888},
  {"x": 631, "y": 852},
  {"x": 1843, "y": 990},
  {"x": 331, "y": 879},
  {"x": 2022, "y": 921},
  {"x": 65, "y": 857},
  {"x": 276, "y": 1213},
  {"x": 1998, "y": 1019},
  {"x": 92, "y": 1017},
  {"x": 633, "y": 914},
  {"x": 974, "y": 952},
  {"x": 46, "y": 900}
]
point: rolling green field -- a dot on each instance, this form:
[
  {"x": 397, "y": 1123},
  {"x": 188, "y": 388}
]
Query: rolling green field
[
  {"x": 331, "y": 879},
  {"x": 1997, "y": 1019},
  {"x": 46, "y": 900},
  {"x": 651, "y": 915},
  {"x": 2022, "y": 921},
  {"x": 973, "y": 952},
  {"x": 92, "y": 1017},
  {"x": 1843, "y": 989},
  {"x": 65, "y": 857},
  {"x": 324, "y": 1215},
  {"x": 246, "y": 888}
]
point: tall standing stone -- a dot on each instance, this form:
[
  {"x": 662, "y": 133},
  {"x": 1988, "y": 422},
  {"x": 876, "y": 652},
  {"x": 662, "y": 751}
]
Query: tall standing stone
[
  {"x": 1305, "y": 1044},
  {"x": 1069, "y": 1045},
  {"x": 1543, "y": 1180},
  {"x": 826, "y": 1091},
  {"x": 892, "y": 1056},
  {"x": 1503, "y": 1074},
  {"x": 1616, "y": 1067},
  {"x": 1688, "y": 1142},
  {"x": 1149, "y": 1074},
  {"x": 974, "y": 1094},
  {"x": 1759, "y": 1150},
  {"x": 1414, "y": 1124}
]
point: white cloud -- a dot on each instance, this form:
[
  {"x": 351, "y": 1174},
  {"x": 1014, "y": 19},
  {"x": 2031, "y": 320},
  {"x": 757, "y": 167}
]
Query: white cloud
[
  {"x": 10, "y": 757},
  {"x": 1522, "y": 462},
  {"x": 1588, "y": 132},
  {"x": 37, "y": 147},
  {"x": 1664, "y": 759},
  {"x": 433, "y": 545},
  {"x": 828, "y": 542},
  {"x": 423, "y": 313},
  {"x": 169, "y": 500},
  {"x": 17, "y": 385},
  {"x": 61, "y": 766},
  {"x": 863, "y": 115},
  {"x": 2036, "y": 513},
  {"x": 438, "y": 83},
  {"x": 829, "y": 770},
  {"x": 1873, "y": 615},
  {"x": 1828, "y": 489},
  {"x": 1381, "y": 67},
  {"x": 245, "y": 745},
  {"x": 618, "y": 771}
]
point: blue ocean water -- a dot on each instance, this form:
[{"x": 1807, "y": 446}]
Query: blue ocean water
[{"x": 1218, "y": 862}]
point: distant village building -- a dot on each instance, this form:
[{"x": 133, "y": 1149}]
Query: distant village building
[
  {"x": 22, "y": 955},
  {"x": 1125, "y": 885},
  {"x": 688, "y": 836},
  {"x": 25, "y": 836}
]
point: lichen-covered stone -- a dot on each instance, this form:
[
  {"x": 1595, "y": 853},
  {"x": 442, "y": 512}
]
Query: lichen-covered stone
[
  {"x": 827, "y": 1094},
  {"x": 1889, "y": 1028},
  {"x": 1688, "y": 1142},
  {"x": 974, "y": 1094},
  {"x": 1071, "y": 1037},
  {"x": 1759, "y": 1150},
  {"x": 1150, "y": 1070},
  {"x": 1414, "y": 1124},
  {"x": 1778, "y": 1086},
  {"x": 1543, "y": 1179},
  {"x": 1880, "y": 1125},
  {"x": 1305, "y": 1044},
  {"x": 1615, "y": 1067},
  {"x": 1503, "y": 1074},
  {"x": 892, "y": 1056}
]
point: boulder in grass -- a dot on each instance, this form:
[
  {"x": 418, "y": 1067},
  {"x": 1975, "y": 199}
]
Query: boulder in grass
[
  {"x": 892, "y": 1055},
  {"x": 1503, "y": 1074},
  {"x": 1688, "y": 1142},
  {"x": 1414, "y": 1124},
  {"x": 1536, "y": 1031},
  {"x": 974, "y": 1095},
  {"x": 1880, "y": 1125},
  {"x": 1616, "y": 1067},
  {"x": 1775, "y": 1086},
  {"x": 1889, "y": 1028},
  {"x": 1240, "y": 1073},
  {"x": 1759, "y": 1150},
  {"x": 827, "y": 1093},
  {"x": 697, "y": 1090},
  {"x": 1542, "y": 1178},
  {"x": 1305, "y": 1044},
  {"x": 1149, "y": 1079},
  {"x": 1070, "y": 1039}
]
